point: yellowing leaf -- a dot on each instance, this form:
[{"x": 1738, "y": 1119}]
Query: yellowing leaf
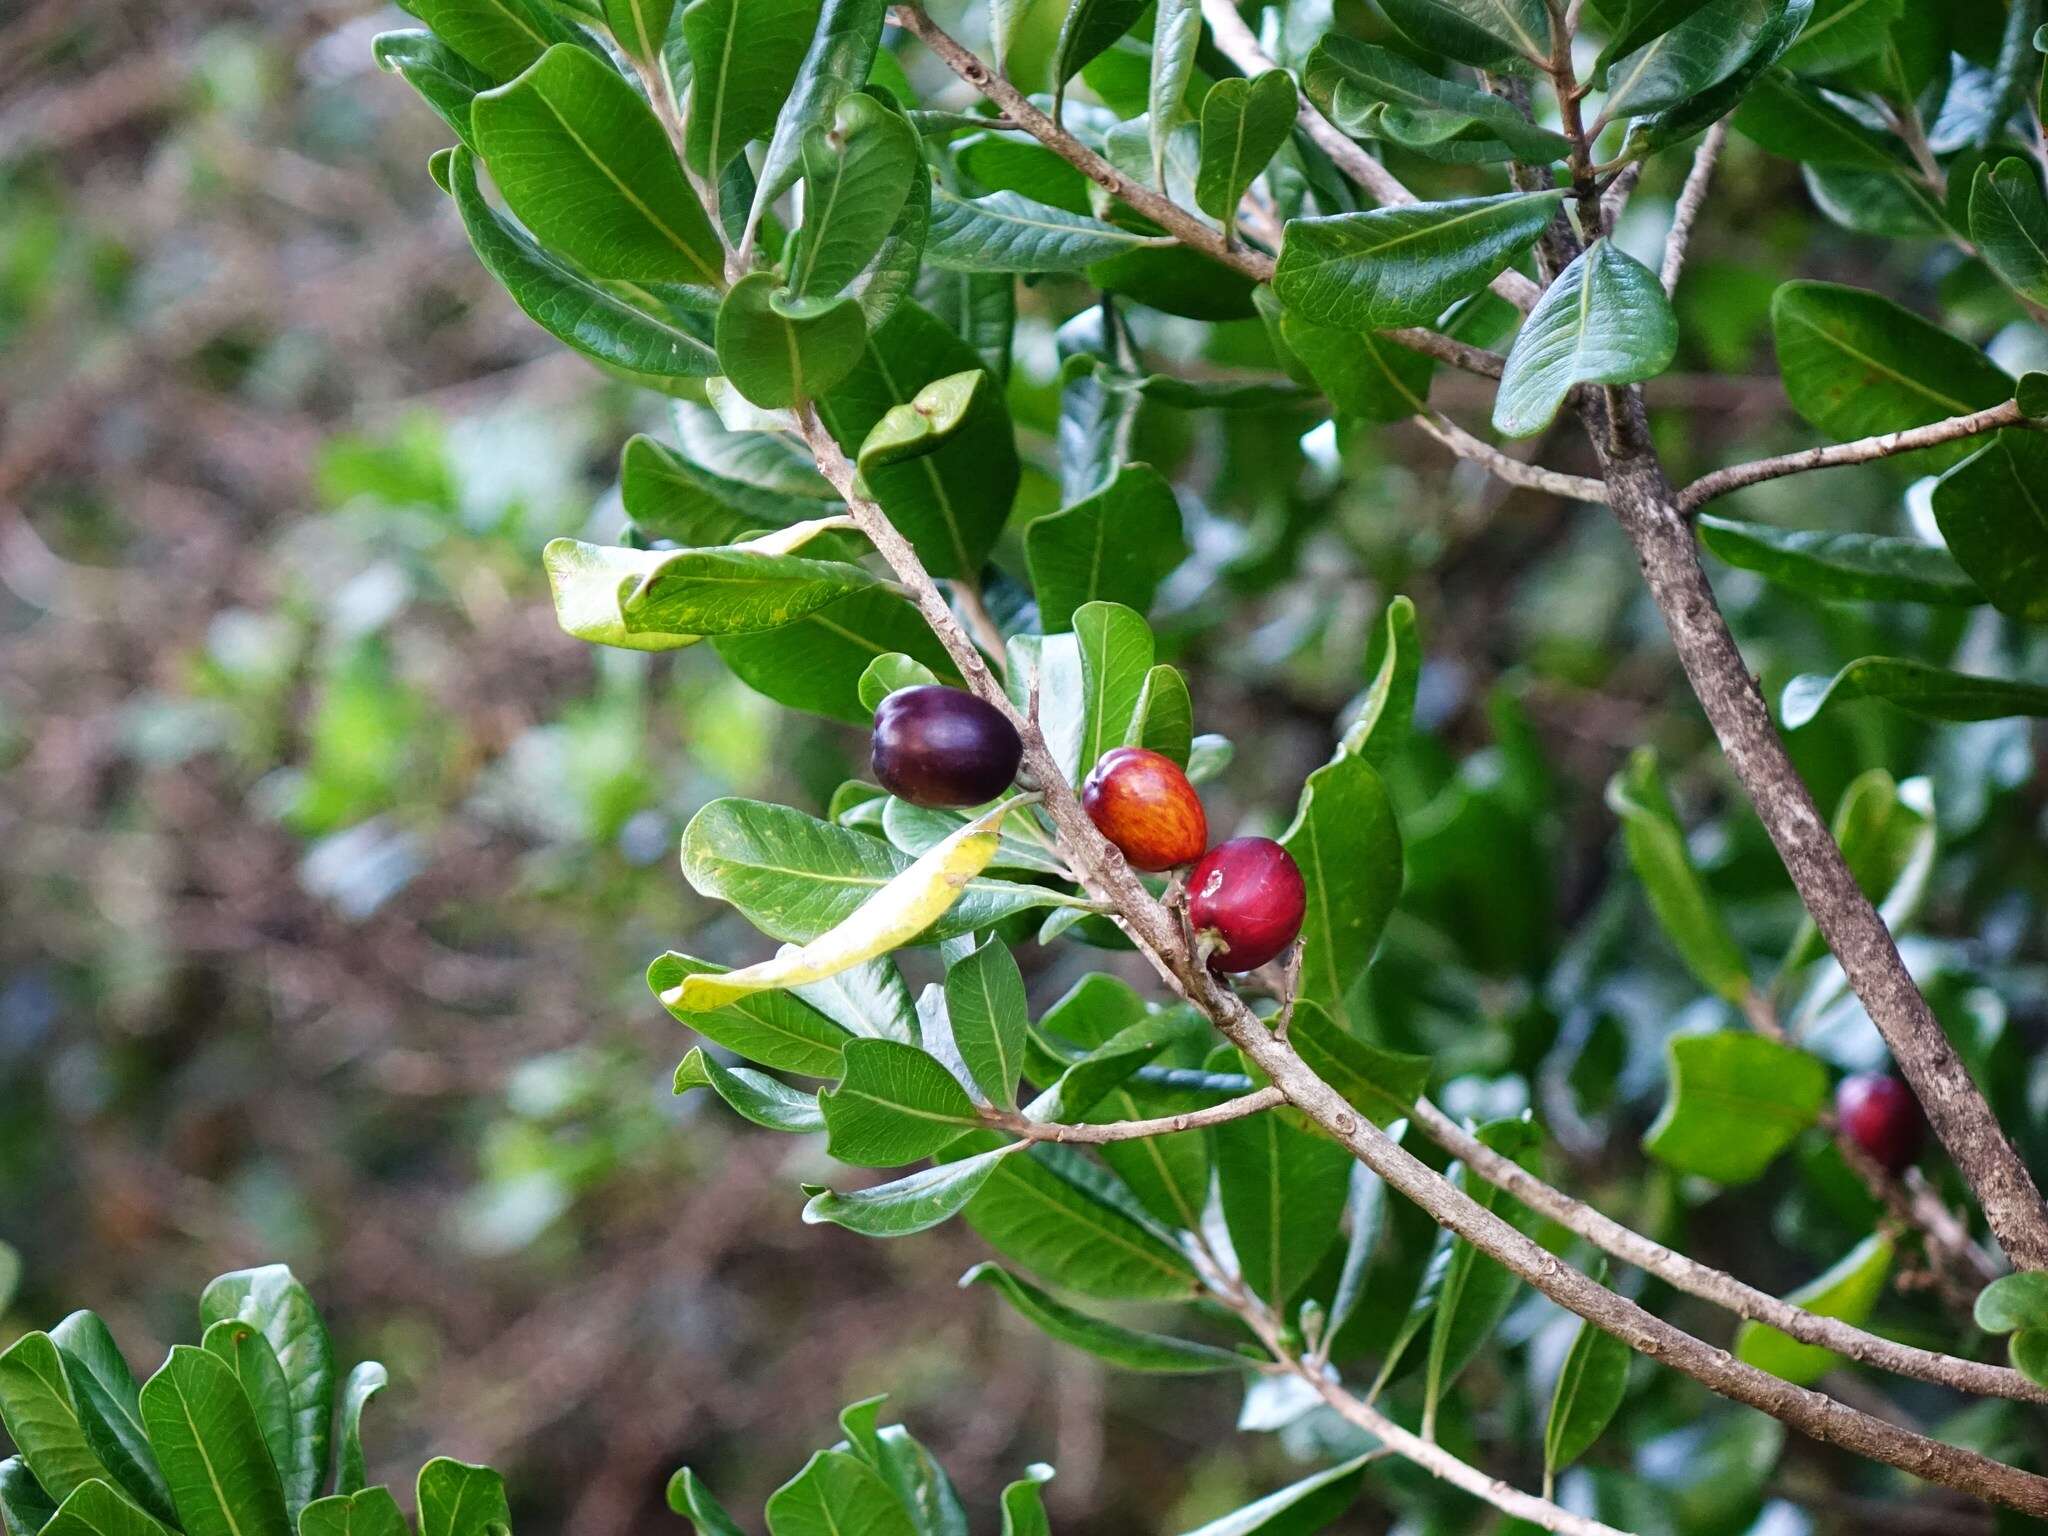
[{"x": 887, "y": 920}]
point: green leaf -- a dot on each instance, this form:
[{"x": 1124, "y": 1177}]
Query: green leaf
[
  {"x": 1886, "y": 833},
  {"x": 1690, "y": 917},
  {"x": 456, "y": 1499},
  {"x": 365, "y": 1381},
  {"x": 1932, "y": 693},
  {"x": 1636, "y": 23},
  {"x": 816, "y": 663},
  {"x": 744, "y": 57},
  {"x": 766, "y": 1101},
  {"x": 1300, "y": 1509},
  {"x": 1405, "y": 264},
  {"x": 1504, "y": 36},
  {"x": 688, "y": 1497},
  {"x": 1116, "y": 658},
  {"x": 41, "y": 1416},
  {"x": 985, "y": 1000},
  {"x": 498, "y": 37},
  {"x": 366, "y": 1512},
  {"x": 857, "y": 175},
  {"x": 96, "y": 1509},
  {"x": 1023, "y": 1507},
  {"x": 1472, "y": 1292},
  {"x": 1374, "y": 93},
  {"x": 445, "y": 81},
  {"x": 1386, "y": 717},
  {"x": 1590, "y": 1387},
  {"x": 1699, "y": 52},
  {"x": 1604, "y": 321},
  {"x": 1283, "y": 1193},
  {"x": 1676, "y": 124},
  {"x": 283, "y": 1309},
  {"x": 221, "y": 1476},
  {"x": 1089, "y": 28},
  {"x": 2013, "y": 1302},
  {"x": 579, "y": 157},
  {"x": 665, "y": 598},
  {"x": 1008, "y": 232},
  {"x": 1789, "y": 117},
  {"x": 1126, "y": 1347},
  {"x": 1993, "y": 512},
  {"x": 1085, "y": 1081},
  {"x": 1244, "y": 123},
  {"x": 1736, "y": 1101},
  {"x": 676, "y": 497},
  {"x": 1348, "y": 845},
  {"x": 1176, "y": 36},
  {"x": 2029, "y": 1353},
  {"x": 837, "y": 1495},
  {"x": 1168, "y": 1174},
  {"x": 1365, "y": 1215},
  {"x": 924, "y": 424},
  {"x": 1056, "y": 1213},
  {"x": 1023, "y": 845},
  {"x": 780, "y": 349},
  {"x": 837, "y": 63},
  {"x": 1856, "y": 364},
  {"x": 1844, "y": 567},
  {"x": 1053, "y": 662},
  {"x": 24, "y": 1508},
  {"x": 1116, "y": 546},
  {"x": 248, "y": 1354},
  {"x": 895, "y": 1105},
  {"x": 775, "y": 1029},
  {"x": 588, "y": 583},
  {"x": 1893, "y": 202},
  {"x": 104, "y": 1394},
  {"x": 594, "y": 320},
  {"x": 640, "y": 27},
  {"x": 1842, "y": 33},
  {"x": 951, "y": 503},
  {"x": 1164, "y": 718},
  {"x": 887, "y": 674},
  {"x": 1849, "y": 1290},
  {"x": 914, "y": 1203},
  {"x": 1380, "y": 1084},
  {"x": 1366, "y": 377}
]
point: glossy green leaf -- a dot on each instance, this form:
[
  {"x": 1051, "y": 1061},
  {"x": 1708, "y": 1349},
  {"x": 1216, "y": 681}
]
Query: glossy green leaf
[
  {"x": 677, "y": 497},
  {"x": 365, "y": 1381},
  {"x": 1085, "y": 1080},
  {"x": 97, "y": 1509},
  {"x": 914, "y": 1203},
  {"x": 272, "y": 1299},
  {"x": 24, "y": 1508},
  {"x": 1504, "y": 36},
  {"x": 886, "y": 674},
  {"x": 951, "y": 503},
  {"x": 1244, "y": 123},
  {"x": 206, "y": 1438},
  {"x": 836, "y": 64},
  {"x": 498, "y": 37},
  {"x": 1855, "y": 363},
  {"x": 783, "y": 350},
  {"x": 1993, "y": 512},
  {"x": 868, "y": 1000},
  {"x": 1116, "y": 657},
  {"x": 367, "y": 1512},
  {"x": 755, "y": 1096},
  {"x": 1168, "y": 1174},
  {"x": 566, "y": 304},
  {"x": 1007, "y": 232},
  {"x": 2013, "y": 1302},
  {"x": 1789, "y": 117},
  {"x": 1060, "y": 1215},
  {"x": 688, "y": 1497},
  {"x": 579, "y": 157},
  {"x": 1844, "y": 567},
  {"x": 1024, "y": 1507},
  {"x": 816, "y": 663},
  {"x": 105, "y": 1397},
  {"x": 1676, "y": 124},
  {"x": 1366, "y": 377},
  {"x": 1283, "y": 1192},
  {"x": 985, "y": 1000},
  {"x": 1379, "y": 1083},
  {"x": 1348, "y": 845},
  {"x": 1386, "y": 716},
  {"x": 1636, "y": 23},
  {"x": 640, "y": 27},
  {"x": 1300, "y": 1509},
  {"x": 1053, "y": 663},
  {"x": 2029, "y": 1353},
  {"x": 1176, "y": 35},
  {"x": 895, "y": 1105},
  {"x": 1164, "y": 719},
  {"x": 1087, "y": 30},
  {"x": 1604, "y": 321},
  {"x": 923, "y": 424},
  {"x": 1404, "y": 264},
  {"x": 445, "y": 80},
  {"x": 1842, "y": 33},
  {"x": 837, "y": 1494},
  {"x": 1023, "y": 844},
  {"x": 1849, "y": 1290},
  {"x": 1699, "y": 52},
  {"x": 1685, "y": 908},
  {"x": 41, "y": 1416},
  {"x": 1590, "y": 1387},
  {"x": 1114, "y": 546},
  {"x": 1128, "y": 1348},
  {"x": 744, "y": 56},
  {"x": 857, "y": 176},
  {"x": 1932, "y": 693},
  {"x": 1893, "y": 203},
  {"x": 1472, "y": 1292},
  {"x": 456, "y": 1499},
  {"x": 1375, "y": 93},
  {"x": 248, "y": 1354},
  {"x": 776, "y": 1029},
  {"x": 1736, "y": 1101},
  {"x": 2009, "y": 222}
]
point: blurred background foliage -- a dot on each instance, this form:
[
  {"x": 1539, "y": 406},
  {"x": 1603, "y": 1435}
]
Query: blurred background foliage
[{"x": 331, "y": 867}]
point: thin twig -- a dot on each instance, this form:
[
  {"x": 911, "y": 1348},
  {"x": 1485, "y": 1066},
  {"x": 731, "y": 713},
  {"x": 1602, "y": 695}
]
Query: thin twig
[
  {"x": 1691, "y": 198},
  {"x": 1862, "y": 451},
  {"x": 1135, "y": 1130},
  {"x": 1506, "y": 467}
]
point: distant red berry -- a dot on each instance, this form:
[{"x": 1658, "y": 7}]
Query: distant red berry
[
  {"x": 937, "y": 746},
  {"x": 1247, "y": 897},
  {"x": 1144, "y": 804},
  {"x": 1880, "y": 1115}
]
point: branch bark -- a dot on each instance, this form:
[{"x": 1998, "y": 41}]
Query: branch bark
[
  {"x": 1135, "y": 1130},
  {"x": 1691, "y": 198},
  {"x": 1505, "y": 467}
]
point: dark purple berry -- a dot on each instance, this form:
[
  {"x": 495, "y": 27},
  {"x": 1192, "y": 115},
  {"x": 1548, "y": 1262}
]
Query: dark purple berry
[{"x": 938, "y": 746}]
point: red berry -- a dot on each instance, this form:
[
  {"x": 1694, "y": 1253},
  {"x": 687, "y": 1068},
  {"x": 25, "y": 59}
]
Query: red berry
[
  {"x": 1880, "y": 1115},
  {"x": 1144, "y": 804},
  {"x": 938, "y": 746},
  {"x": 1247, "y": 898}
]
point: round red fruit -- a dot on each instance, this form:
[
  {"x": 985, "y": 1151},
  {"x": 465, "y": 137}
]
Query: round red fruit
[
  {"x": 1144, "y": 804},
  {"x": 1880, "y": 1115},
  {"x": 940, "y": 747},
  {"x": 1245, "y": 899}
]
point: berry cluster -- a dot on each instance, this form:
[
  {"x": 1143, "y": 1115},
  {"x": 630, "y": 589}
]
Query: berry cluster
[{"x": 937, "y": 746}]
